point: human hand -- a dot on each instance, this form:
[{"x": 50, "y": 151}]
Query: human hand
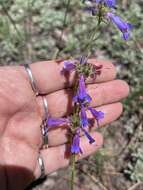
[{"x": 21, "y": 115}]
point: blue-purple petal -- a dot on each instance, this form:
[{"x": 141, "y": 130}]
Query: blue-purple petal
[
  {"x": 84, "y": 120},
  {"x": 75, "y": 99},
  {"x": 125, "y": 35},
  {"x": 83, "y": 60},
  {"x": 96, "y": 114},
  {"x": 53, "y": 122},
  {"x": 75, "y": 147},
  {"x": 68, "y": 66},
  {"x": 91, "y": 140},
  {"x": 130, "y": 26},
  {"x": 82, "y": 94},
  {"x": 88, "y": 98},
  {"x": 82, "y": 89},
  {"x": 91, "y": 10},
  {"x": 110, "y": 3},
  {"x": 81, "y": 97},
  {"x": 123, "y": 26}
]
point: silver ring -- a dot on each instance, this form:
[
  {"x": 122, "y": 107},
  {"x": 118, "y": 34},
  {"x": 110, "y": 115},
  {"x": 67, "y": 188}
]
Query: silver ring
[
  {"x": 44, "y": 131},
  {"x": 42, "y": 166},
  {"x": 44, "y": 128},
  {"x": 31, "y": 78},
  {"x": 45, "y": 104}
]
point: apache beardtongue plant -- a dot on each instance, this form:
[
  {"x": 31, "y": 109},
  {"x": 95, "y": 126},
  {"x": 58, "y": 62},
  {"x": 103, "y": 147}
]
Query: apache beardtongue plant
[{"x": 78, "y": 123}]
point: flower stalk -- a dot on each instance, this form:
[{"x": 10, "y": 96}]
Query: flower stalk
[
  {"x": 78, "y": 122},
  {"x": 73, "y": 163}
]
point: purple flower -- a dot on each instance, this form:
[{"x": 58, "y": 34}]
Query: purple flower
[
  {"x": 91, "y": 140},
  {"x": 109, "y": 3},
  {"x": 81, "y": 96},
  {"x": 83, "y": 116},
  {"x": 83, "y": 60},
  {"x": 75, "y": 147},
  {"x": 91, "y": 9},
  {"x": 124, "y": 27},
  {"x": 53, "y": 122},
  {"x": 68, "y": 66},
  {"x": 96, "y": 114}
]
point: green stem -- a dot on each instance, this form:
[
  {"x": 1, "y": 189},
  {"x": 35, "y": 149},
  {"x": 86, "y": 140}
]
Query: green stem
[
  {"x": 72, "y": 172},
  {"x": 65, "y": 18},
  {"x": 92, "y": 39},
  {"x": 57, "y": 52},
  {"x": 11, "y": 20}
]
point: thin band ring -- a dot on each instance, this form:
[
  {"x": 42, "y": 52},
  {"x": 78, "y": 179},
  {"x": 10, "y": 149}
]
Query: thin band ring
[
  {"x": 42, "y": 166},
  {"x": 44, "y": 130},
  {"x": 31, "y": 78},
  {"x": 45, "y": 104}
]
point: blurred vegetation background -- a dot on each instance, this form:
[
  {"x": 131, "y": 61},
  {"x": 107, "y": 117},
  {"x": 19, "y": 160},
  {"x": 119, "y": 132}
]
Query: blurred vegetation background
[{"x": 30, "y": 31}]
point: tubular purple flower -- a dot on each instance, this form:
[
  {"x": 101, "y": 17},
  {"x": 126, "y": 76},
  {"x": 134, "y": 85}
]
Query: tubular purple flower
[
  {"x": 124, "y": 27},
  {"x": 82, "y": 96},
  {"x": 83, "y": 116},
  {"x": 96, "y": 114},
  {"x": 91, "y": 140},
  {"x": 83, "y": 60},
  {"x": 75, "y": 147},
  {"x": 53, "y": 122},
  {"x": 68, "y": 66},
  {"x": 91, "y": 9},
  {"x": 109, "y": 3}
]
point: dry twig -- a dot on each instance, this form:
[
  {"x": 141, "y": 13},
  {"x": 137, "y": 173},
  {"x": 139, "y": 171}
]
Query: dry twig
[
  {"x": 135, "y": 186},
  {"x": 93, "y": 178}
]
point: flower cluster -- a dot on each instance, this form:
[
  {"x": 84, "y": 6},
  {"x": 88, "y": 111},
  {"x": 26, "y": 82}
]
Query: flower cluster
[
  {"x": 105, "y": 9},
  {"x": 82, "y": 100},
  {"x": 78, "y": 122},
  {"x": 81, "y": 66}
]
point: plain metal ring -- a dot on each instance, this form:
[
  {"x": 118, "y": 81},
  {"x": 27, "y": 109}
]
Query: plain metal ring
[
  {"x": 44, "y": 124},
  {"x": 45, "y": 104},
  {"x": 31, "y": 78},
  {"x": 44, "y": 133},
  {"x": 42, "y": 166}
]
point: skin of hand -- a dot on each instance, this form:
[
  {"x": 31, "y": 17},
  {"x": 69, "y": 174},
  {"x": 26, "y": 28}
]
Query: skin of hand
[{"x": 21, "y": 114}]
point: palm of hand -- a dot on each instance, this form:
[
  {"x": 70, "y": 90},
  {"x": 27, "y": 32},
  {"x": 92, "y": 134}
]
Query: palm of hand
[{"x": 20, "y": 121}]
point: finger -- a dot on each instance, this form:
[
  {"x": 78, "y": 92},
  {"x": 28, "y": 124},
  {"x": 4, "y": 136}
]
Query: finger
[
  {"x": 49, "y": 79},
  {"x": 54, "y": 158},
  {"x": 60, "y": 102},
  {"x": 59, "y": 135}
]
